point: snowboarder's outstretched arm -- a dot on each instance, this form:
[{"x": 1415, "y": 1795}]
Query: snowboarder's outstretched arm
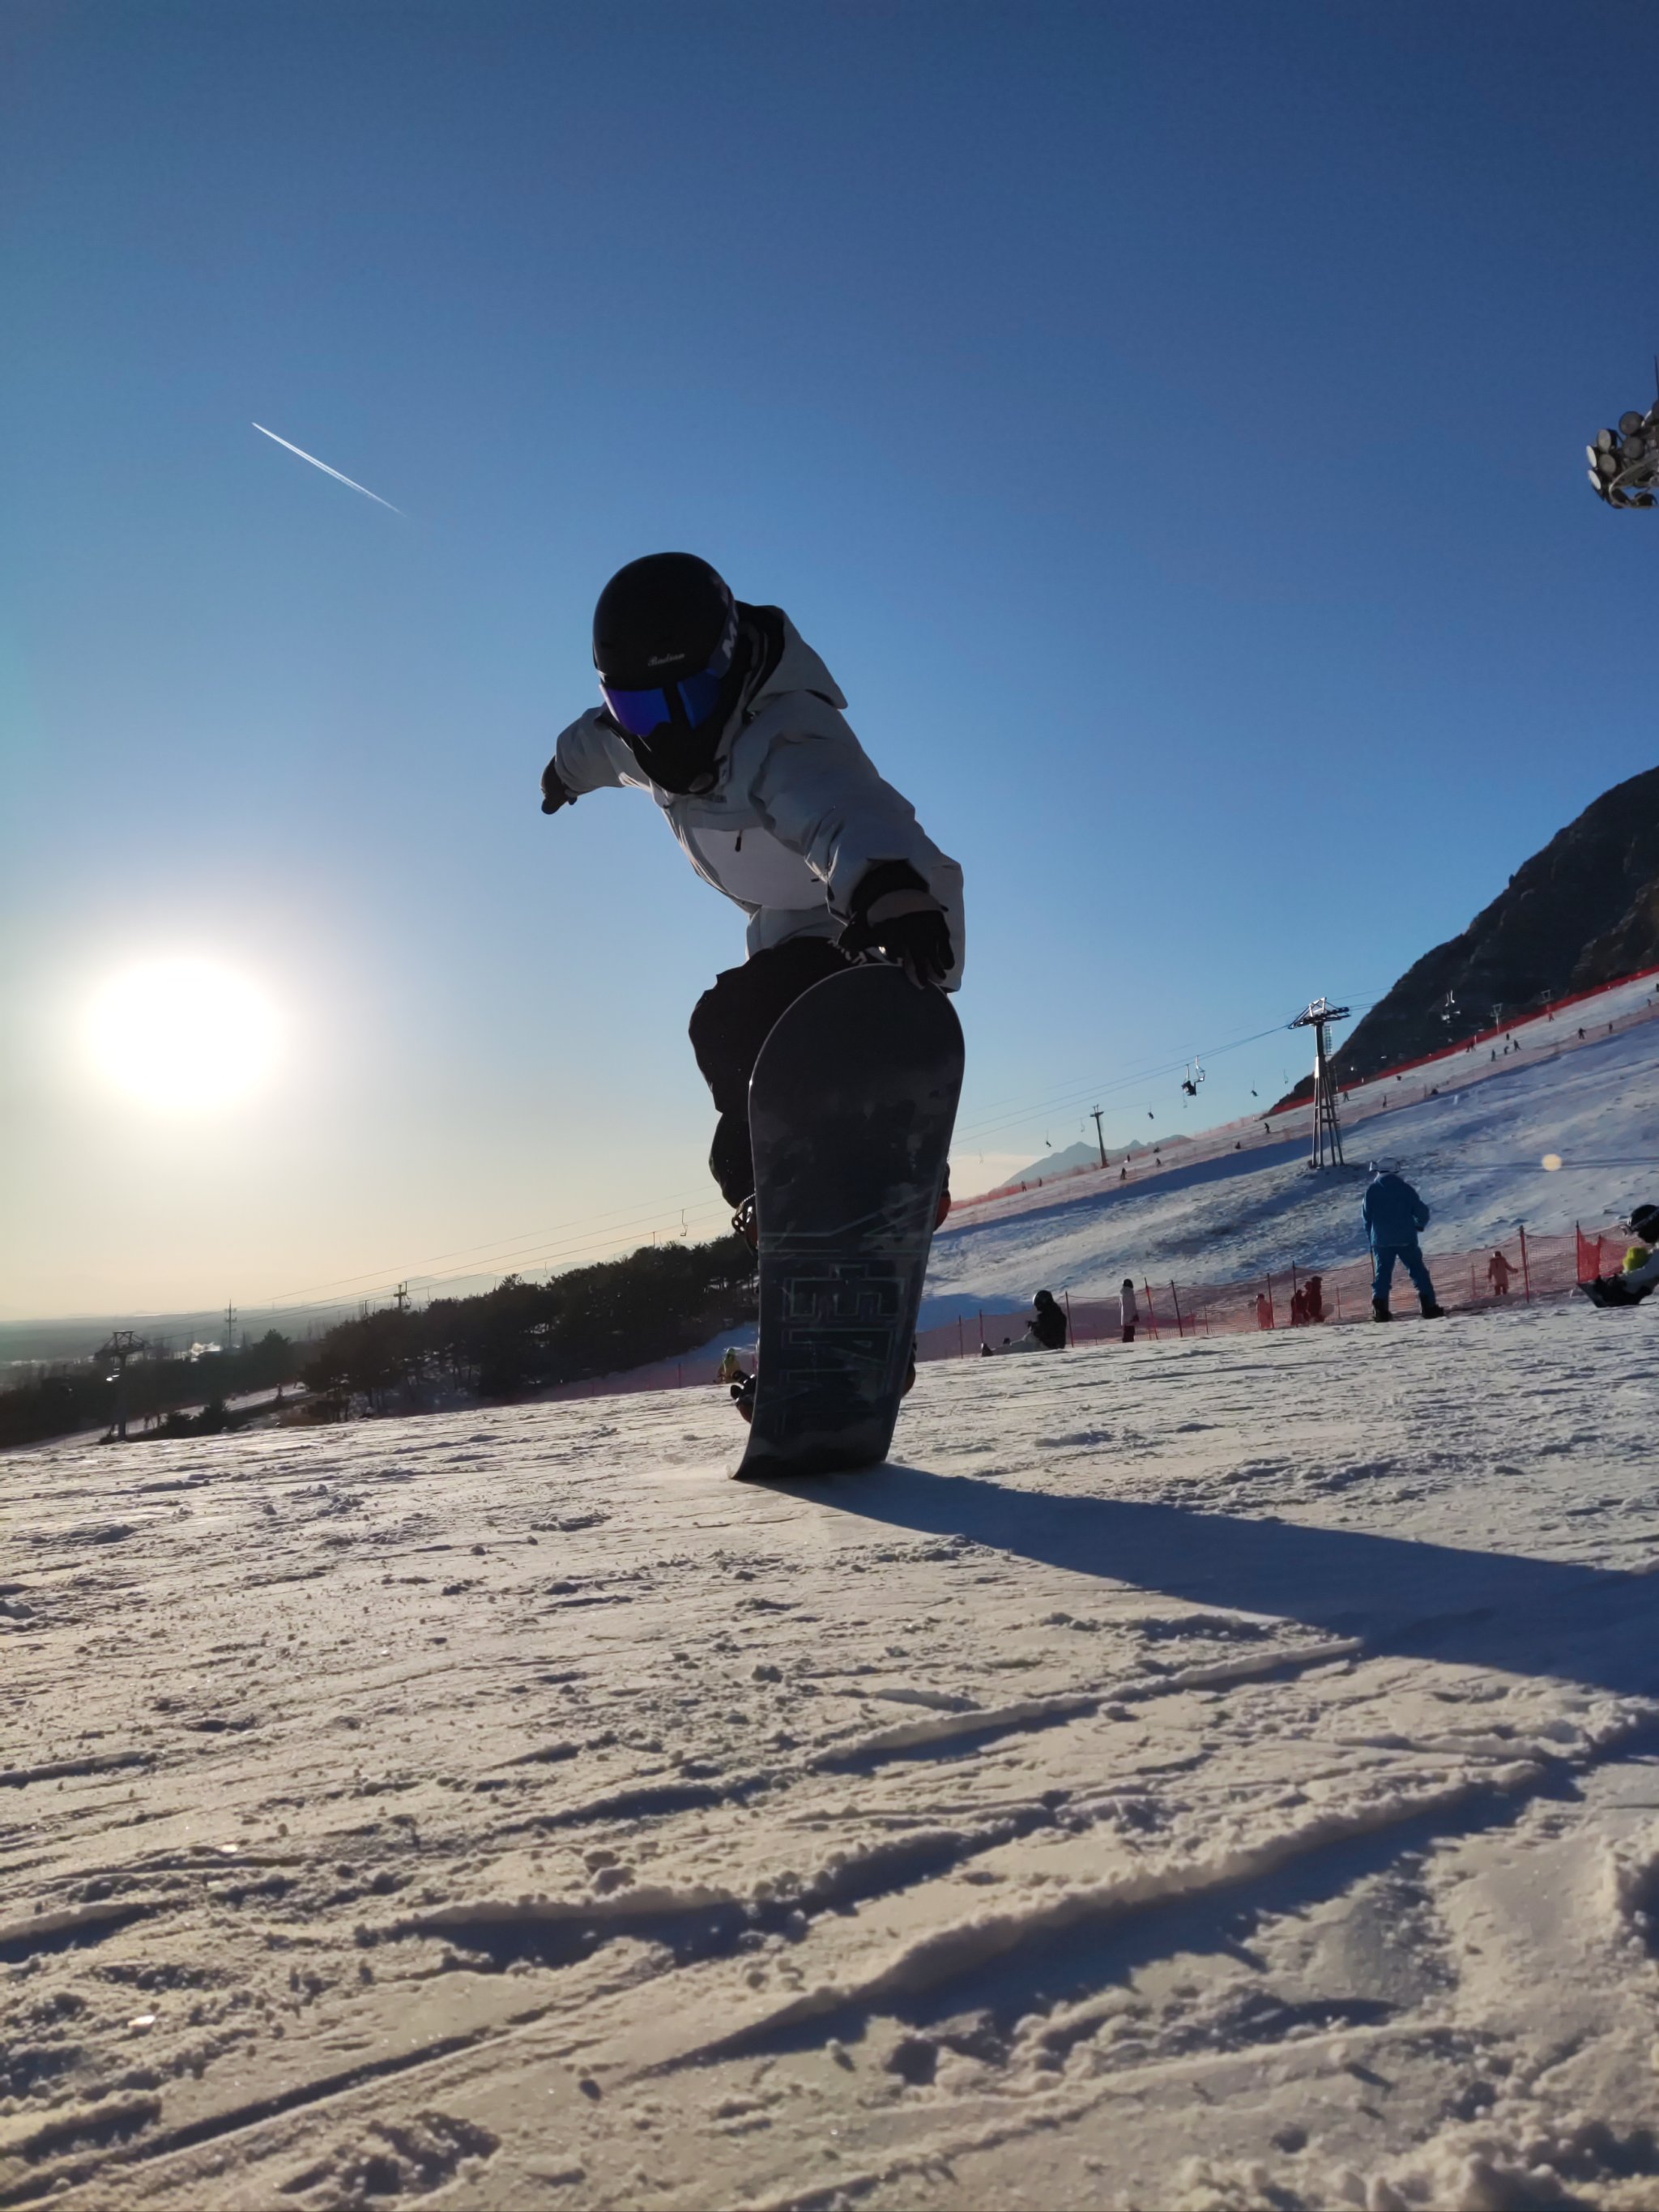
[{"x": 589, "y": 756}]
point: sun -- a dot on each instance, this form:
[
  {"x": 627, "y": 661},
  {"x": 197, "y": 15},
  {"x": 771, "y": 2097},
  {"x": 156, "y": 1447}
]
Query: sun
[{"x": 186, "y": 1035}]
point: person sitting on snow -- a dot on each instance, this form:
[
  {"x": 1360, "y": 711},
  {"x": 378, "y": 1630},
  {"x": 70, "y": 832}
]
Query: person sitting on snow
[
  {"x": 1045, "y": 1332},
  {"x": 1632, "y": 1285},
  {"x": 1394, "y": 1216}
]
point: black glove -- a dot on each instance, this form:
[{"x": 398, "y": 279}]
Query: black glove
[
  {"x": 893, "y": 908},
  {"x": 554, "y": 794}
]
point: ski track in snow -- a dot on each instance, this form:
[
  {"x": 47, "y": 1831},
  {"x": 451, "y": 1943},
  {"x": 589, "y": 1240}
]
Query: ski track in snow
[{"x": 1217, "y": 1775}]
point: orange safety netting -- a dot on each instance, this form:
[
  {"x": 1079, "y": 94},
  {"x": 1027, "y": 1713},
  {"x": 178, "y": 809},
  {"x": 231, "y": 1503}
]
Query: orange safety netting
[{"x": 1517, "y": 1270}]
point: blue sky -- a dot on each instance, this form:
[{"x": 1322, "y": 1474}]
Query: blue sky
[{"x": 1167, "y": 422}]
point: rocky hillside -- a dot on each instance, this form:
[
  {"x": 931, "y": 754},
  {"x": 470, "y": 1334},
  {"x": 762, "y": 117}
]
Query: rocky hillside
[{"x": 1583, "y": 912}]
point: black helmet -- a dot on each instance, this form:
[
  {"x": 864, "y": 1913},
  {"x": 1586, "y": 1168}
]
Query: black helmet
[
  {"x": 664, "y": 643},
  {"x": 1644, "y": 1223}
]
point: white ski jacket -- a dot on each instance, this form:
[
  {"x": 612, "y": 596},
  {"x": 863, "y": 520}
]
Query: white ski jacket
[{"x": 798, "y": 815}]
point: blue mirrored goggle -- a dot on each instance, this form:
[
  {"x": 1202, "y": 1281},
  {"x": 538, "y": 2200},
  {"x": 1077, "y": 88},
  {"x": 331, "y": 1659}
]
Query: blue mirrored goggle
[{"x": 639, "y": 712}]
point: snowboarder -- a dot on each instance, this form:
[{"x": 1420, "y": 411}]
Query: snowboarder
[
  {"x": 1045, "y": 1332},
  {"x": 1498, "y": 1271},
  {"x": 1264, "y": 1310},
  {"x": 1129, "y": 1309},
  {"x": 1394, "y": 1217},
  {"x": 730, "y": 721},
  {"x": 1632, "y": 1285},
  {"x": 1314, "y": 1296},
  {"x": 1048, "y": 1322}
]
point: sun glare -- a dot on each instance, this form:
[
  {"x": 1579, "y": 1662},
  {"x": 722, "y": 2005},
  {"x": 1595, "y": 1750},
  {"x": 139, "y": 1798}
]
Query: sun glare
[{"x": 186, "y": 1035}]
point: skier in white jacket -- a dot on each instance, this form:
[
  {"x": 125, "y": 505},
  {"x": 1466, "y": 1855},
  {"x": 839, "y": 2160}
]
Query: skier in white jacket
[{"x": 733, "y": 725}]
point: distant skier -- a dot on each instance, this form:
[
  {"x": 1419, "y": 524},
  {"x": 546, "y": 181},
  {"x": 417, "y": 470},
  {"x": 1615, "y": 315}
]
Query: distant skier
[
  {"x": 1264, "y": 1310},
  {"x": 1129, "y": 1309},
  {"x": 1632, "y": 1284},
  {"x": 733, "y": 724},
  {"x": 1314, "y": 1297},
  {"x": 1394, "y": 1217},
  {"x": 1498, "y": 1270}
]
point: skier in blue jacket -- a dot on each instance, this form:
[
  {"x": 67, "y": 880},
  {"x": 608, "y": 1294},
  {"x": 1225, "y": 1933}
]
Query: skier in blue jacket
[{"x": 1394, "y": 1217}]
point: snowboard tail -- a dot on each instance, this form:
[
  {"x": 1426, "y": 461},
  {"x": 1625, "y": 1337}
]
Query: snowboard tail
[{"x": 850, "y": 1109}]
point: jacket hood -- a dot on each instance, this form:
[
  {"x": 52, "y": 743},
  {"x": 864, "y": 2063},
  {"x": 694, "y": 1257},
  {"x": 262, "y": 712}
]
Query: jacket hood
[
  {"x": 692, "y": 764},
  {"x": 789, "y": 662}
]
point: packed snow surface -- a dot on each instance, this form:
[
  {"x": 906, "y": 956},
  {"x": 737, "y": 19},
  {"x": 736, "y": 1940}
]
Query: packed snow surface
[{"x": 1211, "y": 1774}]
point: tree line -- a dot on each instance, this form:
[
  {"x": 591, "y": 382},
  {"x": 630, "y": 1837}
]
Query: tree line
[
  {"x": 655, "y": 1303},
  {"x": 658, "y": 1301},
  {"x": 83, "y": 1396}
]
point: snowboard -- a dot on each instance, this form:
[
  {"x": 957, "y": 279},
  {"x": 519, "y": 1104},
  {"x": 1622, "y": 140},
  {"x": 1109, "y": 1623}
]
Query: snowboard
[
  {"x": 1609, "y": 1291},
  {"x": 851, "y": 1107}
]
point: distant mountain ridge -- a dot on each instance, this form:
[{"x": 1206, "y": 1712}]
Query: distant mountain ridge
[{"x": 1581, "y": 912}]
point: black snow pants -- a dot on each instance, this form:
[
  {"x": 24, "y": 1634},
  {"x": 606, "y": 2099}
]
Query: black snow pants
[{"x": 729, "y": 1025}]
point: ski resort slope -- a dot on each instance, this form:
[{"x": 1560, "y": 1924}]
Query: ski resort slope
[
  {"x": 1475, "y": 1151},
  {"x": 1221, "y": 1775}
]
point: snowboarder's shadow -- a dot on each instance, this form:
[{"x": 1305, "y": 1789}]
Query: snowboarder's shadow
[{"x": 1525, "y": 1616}]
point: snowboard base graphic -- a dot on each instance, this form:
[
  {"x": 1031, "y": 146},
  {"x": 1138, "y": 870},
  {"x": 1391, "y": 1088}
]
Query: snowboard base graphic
[{"x": 851, "y": 1108}]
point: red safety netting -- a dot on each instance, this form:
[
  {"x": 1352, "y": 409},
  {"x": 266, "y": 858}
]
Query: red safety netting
[{"x": 1519, "y": 1269}]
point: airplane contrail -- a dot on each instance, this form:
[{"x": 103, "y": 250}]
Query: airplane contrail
[{"x": 325, "y": 469}]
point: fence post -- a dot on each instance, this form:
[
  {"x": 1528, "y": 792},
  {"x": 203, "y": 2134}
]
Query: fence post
[
  {"x": 1071, "y": 1332},
  {"x": 1339, "y": 1302},
  {"x": 1526, "y": 1272},
  {"x": 1181, "y": 1326},
  {"x": 981, "y": 1324},
  {"x": 1474, "y": 1294},
  {"x": 961, "y": 1348},
  {"x": 1151, "y": 1311}
]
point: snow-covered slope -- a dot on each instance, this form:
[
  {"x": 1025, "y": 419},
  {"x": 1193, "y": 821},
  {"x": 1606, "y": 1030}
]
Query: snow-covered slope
[
  {"x": 1475, "y": 1151},
  {"x": 1219, "y": 1775}
]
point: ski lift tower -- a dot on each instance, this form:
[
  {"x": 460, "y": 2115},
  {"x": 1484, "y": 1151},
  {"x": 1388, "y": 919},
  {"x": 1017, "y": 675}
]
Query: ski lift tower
[{"x": 1326, "y": 1129}]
